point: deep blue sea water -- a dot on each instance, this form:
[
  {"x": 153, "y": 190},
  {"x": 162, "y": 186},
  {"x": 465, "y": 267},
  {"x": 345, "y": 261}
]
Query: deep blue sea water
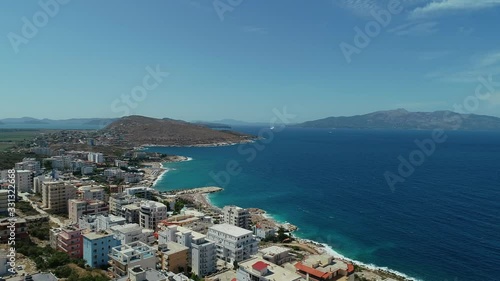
[{"x": 442, "y": 223}]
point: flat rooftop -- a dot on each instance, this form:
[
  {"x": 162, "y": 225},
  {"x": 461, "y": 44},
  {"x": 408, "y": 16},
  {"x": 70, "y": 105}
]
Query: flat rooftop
[
  {"x": 172, "y": 248},
  {"x": 274, "y": 250},
  {"x": 93, "y": 235},
  {"x": 112, "y": 218},
  {"x": 126, "y": 228},
  {"x": 274, "y": 272},
  {"x": 131, "y": 207},
  {"x": 231, "y": 230},
  {"x": 196, "y": 235},
  {"x": 325, "y": 263}
]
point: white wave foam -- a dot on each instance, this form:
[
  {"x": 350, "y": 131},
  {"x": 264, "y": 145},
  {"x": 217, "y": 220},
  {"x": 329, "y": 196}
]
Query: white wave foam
[
  {"x": 160, "y": 177},
  {"x": 330, "y": 251}
]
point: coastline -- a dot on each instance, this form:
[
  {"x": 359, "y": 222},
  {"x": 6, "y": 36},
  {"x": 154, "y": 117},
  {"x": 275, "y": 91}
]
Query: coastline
[
  {"x": 157, "y": 171},
  {"x": 202, "y": 197},
  {"x": 369, "y": 270},
  {"x": 215, "y": 144}
]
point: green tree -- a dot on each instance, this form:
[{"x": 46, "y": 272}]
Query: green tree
[
  {"x": 179, "y": 204},
  {"x": 282, "y": 235}
]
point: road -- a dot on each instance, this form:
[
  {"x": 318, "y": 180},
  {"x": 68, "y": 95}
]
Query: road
[{"x": 25, "y": 197}]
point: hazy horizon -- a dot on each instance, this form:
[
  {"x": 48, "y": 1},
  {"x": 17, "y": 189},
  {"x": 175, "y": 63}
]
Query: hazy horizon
[
  {"x": 219, "y": 120},
  {"x": 245, "y": 61}
]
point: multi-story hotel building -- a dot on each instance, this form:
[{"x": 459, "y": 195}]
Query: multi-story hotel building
[
  {"x": 232, "y": 243},
  {"x": 55, "y": 196}
]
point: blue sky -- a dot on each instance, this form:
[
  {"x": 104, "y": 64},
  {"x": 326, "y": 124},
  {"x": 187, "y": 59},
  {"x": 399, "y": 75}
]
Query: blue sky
[{"x": 257, "y": 56}]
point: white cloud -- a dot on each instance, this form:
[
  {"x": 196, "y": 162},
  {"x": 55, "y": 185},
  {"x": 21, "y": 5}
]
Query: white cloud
[
  {"x": 444, "y": 6},
  {"x": 363, "y": 8},
  {"x": 481, "y": 65},
  {"x": 489, "y": 59},
  {"x": 415, "y": 28}
]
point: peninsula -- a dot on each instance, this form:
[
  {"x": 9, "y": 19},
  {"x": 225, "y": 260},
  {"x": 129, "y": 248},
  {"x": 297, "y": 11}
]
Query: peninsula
[{"x": 403, "y": 119}]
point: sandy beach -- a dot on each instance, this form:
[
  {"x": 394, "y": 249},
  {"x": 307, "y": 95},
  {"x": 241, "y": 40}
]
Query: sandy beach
[{"x": 154, "y": 171}]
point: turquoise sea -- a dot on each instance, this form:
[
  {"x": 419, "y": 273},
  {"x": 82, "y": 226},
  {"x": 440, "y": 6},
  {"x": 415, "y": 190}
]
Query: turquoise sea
[{"x": 442, "y": 223}]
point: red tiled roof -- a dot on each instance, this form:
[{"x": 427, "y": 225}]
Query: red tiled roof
[
  {"x": 312, "y": 271},
  {"x": 260, "y": 265},
  {"x": 350, "y": 268},
  {"x": 234, "y": 279}
]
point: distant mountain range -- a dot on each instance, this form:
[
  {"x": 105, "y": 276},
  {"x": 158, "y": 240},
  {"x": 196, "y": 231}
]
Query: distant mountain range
[
  {"x": 390, "y": 119},
  {"x": 74, "y": 121},
  {"x": 140, "y": 130},
  {"x": 220, "y": 124},
  {"x": 232, "y": 122},
  {"x": 212, "y": 125},
  {"x": 403, "y": 119}
]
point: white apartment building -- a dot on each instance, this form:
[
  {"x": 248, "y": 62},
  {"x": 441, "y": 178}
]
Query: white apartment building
[
  {"x": 29, "y": 164},
  {"x": 232, "y": 243},
  {"x": 133, "y": 177},
  {"x": 202, "y": 255},
  {"x": 121, "y": 163},
  {"x": 129, "y": 233},
  {"x": 62, "y": 163},
  {"x": 140, "y": 192},
  {"x": 87, "y": 223},
  {"x": 105, "y": 222},
  {"x": 236, "y": 216},
  {"x": 132, "y": 212},
  {"x": 93, "y": 223},
  {"x": 37, "y": 183},
  {"x": 276, "y": 255},
  {"x": 131, "y": 255},
  {"x": 118, "y": 201},
  {"x": 24, "y": 180},
  {"x": 92, "y": 192},
  {"x": 55, "y": 195},
  {"x": 151, "y": 214},
  {"x": 42, "y": 151},
  {"x": 96, "y": 157},
  {"x": 114, "y": 173},
  {"x": 78, "y": 208}
]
